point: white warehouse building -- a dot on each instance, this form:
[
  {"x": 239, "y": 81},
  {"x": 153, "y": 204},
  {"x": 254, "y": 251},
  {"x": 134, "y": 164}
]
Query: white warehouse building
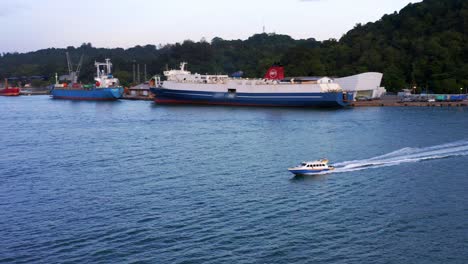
[{"x": 364, "y": 84}]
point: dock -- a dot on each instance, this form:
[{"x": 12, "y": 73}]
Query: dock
[
  {"x": 393, "y": 101},
  {"x": 34, "y": 91},
  {"x": 137, "y": 97}
]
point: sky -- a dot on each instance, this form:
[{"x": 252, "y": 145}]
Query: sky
[{"x": 29, "y": 25}]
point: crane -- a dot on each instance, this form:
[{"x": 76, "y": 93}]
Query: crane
[
  {"x": 73, "y": 75},
  {"x": 70, "y": 69},
  {"x": 78, "y": 68}
]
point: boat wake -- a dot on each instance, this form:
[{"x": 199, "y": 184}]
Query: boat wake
[{"x": 405, "y": 155}]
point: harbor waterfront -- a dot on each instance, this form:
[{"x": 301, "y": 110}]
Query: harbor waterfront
[
  {"x": 394, "y": 101},
  {"x": 129, "y": 181}
]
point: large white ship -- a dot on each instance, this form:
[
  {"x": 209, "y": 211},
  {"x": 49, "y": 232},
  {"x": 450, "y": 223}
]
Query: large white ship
[{"x": 183, "y": 87}]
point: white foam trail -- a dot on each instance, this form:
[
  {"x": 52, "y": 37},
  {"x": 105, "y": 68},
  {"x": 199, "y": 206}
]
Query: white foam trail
[{"x": 405, "y": 155}]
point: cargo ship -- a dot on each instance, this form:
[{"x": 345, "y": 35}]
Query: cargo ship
[
  {"x": 183, "y": 87},
  {"x": 9, "y": 91},
  {"x": 106, "y": 87}
]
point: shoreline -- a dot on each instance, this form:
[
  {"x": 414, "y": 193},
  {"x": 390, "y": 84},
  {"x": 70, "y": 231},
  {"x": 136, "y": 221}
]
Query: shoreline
[{"x": 397, "y": 103}]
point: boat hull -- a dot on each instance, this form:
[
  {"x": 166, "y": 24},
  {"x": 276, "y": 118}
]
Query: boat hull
[
  {"x": 326, "y": 99},
  {"x": 99, "y": 94},
  {"x": 299, "y": 172},
  {"x": 10, "y": 92}
]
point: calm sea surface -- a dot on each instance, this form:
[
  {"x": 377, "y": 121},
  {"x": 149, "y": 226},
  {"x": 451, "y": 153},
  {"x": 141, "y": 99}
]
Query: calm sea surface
[{"x": 129, "y": 181}]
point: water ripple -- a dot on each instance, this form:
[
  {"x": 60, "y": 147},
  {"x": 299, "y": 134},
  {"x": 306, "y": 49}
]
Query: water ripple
[{"x": 83, "y": 182}]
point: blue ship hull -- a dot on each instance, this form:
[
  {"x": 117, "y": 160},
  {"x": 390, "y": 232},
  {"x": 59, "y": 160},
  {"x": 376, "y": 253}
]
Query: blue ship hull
[
  {"x": 96, "y": 94},
  {"x": 168, "y": 96}
]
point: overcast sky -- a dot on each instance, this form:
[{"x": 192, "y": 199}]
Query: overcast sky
[{"x": 28, "y": 25}]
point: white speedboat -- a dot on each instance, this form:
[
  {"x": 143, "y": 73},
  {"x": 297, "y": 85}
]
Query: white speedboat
[{"x": 312, "y": 167}]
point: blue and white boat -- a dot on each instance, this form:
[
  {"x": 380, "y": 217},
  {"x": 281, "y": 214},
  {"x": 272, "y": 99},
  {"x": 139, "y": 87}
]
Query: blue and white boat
[
  {"x": 311, "y": 167},
  {"x": 106, "y": 88},
  {"x": 183, "y": 87}
]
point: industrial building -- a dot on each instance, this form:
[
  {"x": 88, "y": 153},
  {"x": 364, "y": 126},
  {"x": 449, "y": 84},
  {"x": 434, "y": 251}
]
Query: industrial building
[
  {"x": 141, "y": 90},
  {"x": 364, "y": 84}
]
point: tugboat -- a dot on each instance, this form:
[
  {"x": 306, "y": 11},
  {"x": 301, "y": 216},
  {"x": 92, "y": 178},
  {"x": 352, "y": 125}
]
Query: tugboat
[
  {"x": 9, "y": 91},
  {"x": 311, "y": 167},
  {"x": 106, "y": 88}
]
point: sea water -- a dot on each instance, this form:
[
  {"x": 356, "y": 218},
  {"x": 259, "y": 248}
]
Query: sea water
[{"x": 130, "y": 181}]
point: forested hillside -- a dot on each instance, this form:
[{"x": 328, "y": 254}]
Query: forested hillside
[{"x": 423, "y": 45}]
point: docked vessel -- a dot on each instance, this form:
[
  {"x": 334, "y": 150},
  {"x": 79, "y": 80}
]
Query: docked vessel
[
  {"x": 183, "y": 87},
  {"x": 9, "y": 91},
  {"x": 106, "y": 87},
  {"x": 312, "y": 167}
]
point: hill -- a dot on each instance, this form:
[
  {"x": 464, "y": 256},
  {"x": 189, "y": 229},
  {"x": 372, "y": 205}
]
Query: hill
[{"x": 423, "y": 45}]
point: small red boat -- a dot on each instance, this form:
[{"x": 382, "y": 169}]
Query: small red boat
[{"x": 9, "y": 91}]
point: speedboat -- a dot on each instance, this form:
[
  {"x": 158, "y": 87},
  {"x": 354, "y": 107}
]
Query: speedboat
[{"x": 312, "y": 167}]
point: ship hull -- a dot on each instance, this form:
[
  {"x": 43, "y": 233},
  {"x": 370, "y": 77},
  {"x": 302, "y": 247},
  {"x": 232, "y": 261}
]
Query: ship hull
[
  {"x": 325, "y": 99},
  {"x": 300, "y": 172},
  {"x": 10, "y": 92},
  {"x": 99, "y": 94}
]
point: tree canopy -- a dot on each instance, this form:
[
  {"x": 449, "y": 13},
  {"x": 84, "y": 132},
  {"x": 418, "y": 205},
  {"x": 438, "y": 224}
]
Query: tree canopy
[{"x": 424, "y": 45}]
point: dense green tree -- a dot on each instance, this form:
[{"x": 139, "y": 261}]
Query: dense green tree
[{"x": 424, "y": 45}]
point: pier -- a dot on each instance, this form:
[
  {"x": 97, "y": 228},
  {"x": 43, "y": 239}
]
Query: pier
[{"x": 393, "y": 101}]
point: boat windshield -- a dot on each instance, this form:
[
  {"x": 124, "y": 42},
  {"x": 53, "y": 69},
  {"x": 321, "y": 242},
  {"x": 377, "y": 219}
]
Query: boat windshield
[{"x": 303, "y": 164}]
